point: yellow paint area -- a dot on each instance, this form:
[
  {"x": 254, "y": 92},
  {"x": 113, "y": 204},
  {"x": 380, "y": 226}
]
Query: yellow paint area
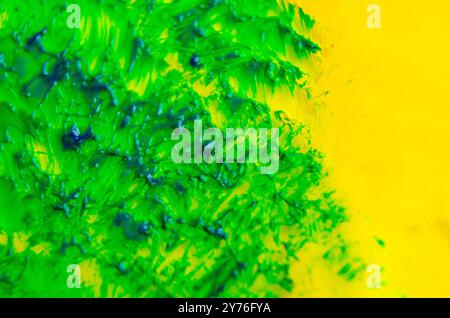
[
  {"x": 217, "y": 117},
  {"x": 45, "y": 158},
  {"x": 163, "y": 36},
  {"x": 217, "y": 26},
  {"x": 174, "y": 63},
  {"x": 133, "y": 187},
  {"x": 143, "y": 252},
  {"x": 380, "y": 115},
  {"x": 92, "y": 218},
  {"x": 104, "y": 25},
  {"x": 3, "y": 19},
  {"x": 20, "y": 241},
  {"x": 90, "y": 275},
  {"x": 85, "y": 27},
  {"x": 202, "y": 89},
  {"x": 93, "y": 64},
  {"x": 139, "y": 85},
  {"x": 3, "y": 238},
  {"x": 134, "y": 204},
  {"x": 43, "y": 248},
  {"x": 122, "y": 62}
]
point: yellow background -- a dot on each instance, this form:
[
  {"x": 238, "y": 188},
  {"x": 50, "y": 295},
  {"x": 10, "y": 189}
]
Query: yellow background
[{"x": 384, "y": 128}]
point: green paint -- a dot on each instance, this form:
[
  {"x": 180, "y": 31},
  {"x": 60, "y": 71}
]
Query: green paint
[
  {"x": 85, "y": 159},
  {"x": 380, "y": 242}
]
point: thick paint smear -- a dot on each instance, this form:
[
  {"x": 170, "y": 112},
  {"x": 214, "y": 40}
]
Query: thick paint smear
[{"x": 86, "y": 174}]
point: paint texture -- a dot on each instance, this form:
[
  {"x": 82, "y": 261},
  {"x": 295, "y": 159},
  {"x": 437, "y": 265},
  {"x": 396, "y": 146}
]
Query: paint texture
[{"x": 86, "y": 175}]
